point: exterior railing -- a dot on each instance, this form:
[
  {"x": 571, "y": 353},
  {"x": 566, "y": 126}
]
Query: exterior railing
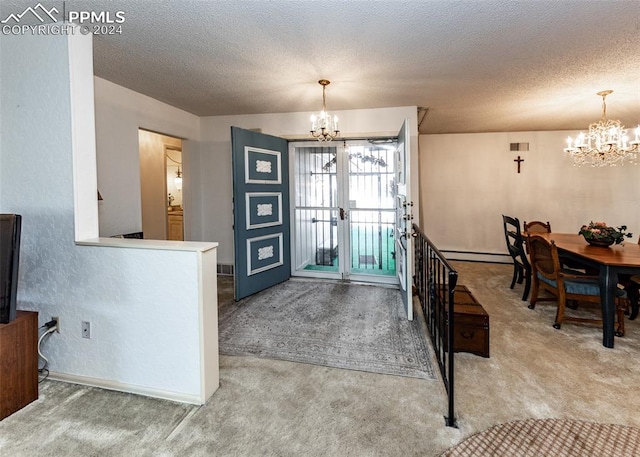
[{"x": 435, "y": 280}]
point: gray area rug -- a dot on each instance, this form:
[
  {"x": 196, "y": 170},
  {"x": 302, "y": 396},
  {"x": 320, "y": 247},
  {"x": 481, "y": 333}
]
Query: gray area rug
[
  {"x": 551, "y": 437},
  {"x": 330, "y": 324}
]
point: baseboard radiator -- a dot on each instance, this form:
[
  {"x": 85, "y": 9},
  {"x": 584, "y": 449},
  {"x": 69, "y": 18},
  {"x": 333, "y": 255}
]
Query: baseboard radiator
[{"x": 435, "y": 280}]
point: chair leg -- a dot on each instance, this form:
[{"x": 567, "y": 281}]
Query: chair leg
[
  {"x": 621, "y": 306},
  {"x": 534, "y": 295},
  {"x": 559, "y": 313},
  {"x": 527, "y": 285},
  {"x": 634, "y": 300},
  {"x": 572, "y": 304},
  {"x": 515, "y": 276}
]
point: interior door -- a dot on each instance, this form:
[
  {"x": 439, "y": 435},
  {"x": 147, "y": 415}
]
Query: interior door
[
  {"x": 260, "y": 211},
  {"x": 404, "y": 220}
]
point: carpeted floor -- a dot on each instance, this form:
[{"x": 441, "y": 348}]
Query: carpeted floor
[
  {"x": 551, "y": 437},
  {"x": 331, "y": 324},
  {"x": 267, "y": 407}
]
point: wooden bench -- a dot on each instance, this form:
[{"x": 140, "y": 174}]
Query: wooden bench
[{"x": 471, "y": 324}]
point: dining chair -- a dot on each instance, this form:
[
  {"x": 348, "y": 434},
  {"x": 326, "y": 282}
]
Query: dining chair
[
  {"x": 566, "y": 285},
  {"x": 545, "y": 227},
  {"x": 631, "y": 285},
  {"x": 515, "y": 246},
  {"x": 537, "y": 227},
  {"x": 534, "y": 227}
]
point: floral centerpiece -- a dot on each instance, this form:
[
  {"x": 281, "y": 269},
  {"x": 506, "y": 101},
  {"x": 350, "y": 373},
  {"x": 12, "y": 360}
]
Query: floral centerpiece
[{"x": 599, "y": 234}]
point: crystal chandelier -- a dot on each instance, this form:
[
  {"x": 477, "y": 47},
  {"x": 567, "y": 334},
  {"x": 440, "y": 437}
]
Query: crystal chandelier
[
  {"x": 606, "y": 143},
  {"x": 323, "y": 126}
]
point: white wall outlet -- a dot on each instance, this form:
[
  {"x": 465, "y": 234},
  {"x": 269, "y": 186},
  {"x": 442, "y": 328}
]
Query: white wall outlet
[
  {"x": 86, "y": 329},
  {"x": 57, "y": 319}
]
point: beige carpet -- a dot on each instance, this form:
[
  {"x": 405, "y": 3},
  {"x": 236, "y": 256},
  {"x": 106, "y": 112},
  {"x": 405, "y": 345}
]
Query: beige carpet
[
  {"x": 269, "y": 407},
  {"x": 551, "y": 437}
]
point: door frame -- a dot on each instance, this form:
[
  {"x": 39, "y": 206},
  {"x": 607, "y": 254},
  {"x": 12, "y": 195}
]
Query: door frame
[
  {"x": 344, "y": 238},
  {"x": 336, "y": 275}
]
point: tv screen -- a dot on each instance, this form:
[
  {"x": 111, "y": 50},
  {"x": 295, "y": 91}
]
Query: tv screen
[{"x": 10, "y": 227}]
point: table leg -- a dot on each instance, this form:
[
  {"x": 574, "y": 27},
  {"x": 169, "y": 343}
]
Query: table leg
[{"x": 608, "y": 283}]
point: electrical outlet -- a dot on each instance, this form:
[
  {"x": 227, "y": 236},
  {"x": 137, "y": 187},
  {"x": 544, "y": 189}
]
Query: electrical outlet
[
  {"x": 57, "y": 319},
  {"x": 86, "y": 329}
]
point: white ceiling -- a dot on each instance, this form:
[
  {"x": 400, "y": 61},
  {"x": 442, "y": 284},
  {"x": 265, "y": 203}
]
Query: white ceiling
[{"x": 479, "y": 66}]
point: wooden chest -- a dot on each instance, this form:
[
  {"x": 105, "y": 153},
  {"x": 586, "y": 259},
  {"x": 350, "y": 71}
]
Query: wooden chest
[{"x": 471, "y": 324}]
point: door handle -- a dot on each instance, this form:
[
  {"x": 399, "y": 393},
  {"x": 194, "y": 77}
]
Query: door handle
[{"x": 343, "y": 214}]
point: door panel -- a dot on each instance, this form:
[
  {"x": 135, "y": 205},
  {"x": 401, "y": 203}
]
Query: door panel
[
  {"x": 316, "y": 212},
  {"x": 260, "y": 211},
  {"x": 371, "y": 203},
  {"x": 404, "y": 220}
]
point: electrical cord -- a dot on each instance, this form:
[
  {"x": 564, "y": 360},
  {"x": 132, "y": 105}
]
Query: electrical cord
[{"x": 46, "y": 361}]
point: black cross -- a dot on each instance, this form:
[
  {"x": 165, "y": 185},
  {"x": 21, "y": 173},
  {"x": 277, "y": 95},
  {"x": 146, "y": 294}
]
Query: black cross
[{"x": 518, "y": 160}]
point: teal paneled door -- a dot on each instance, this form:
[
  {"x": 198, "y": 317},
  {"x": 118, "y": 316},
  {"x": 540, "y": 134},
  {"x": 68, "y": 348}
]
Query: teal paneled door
[{"x": 260, "y": 211}]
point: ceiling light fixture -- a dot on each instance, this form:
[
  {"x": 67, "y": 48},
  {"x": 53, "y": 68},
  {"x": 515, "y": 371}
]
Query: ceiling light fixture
[
  {"x": 178, "y": 179},
  {"x": 323, "y": 126},
  {"x": 606, "y": 143}
]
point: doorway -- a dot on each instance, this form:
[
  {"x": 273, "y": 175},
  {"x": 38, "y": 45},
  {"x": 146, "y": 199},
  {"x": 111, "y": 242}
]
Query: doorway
[
  {"x": 269, "y": 246},
  {"x": 161, "y": 175},
  {"x": 344, "y": 210}
]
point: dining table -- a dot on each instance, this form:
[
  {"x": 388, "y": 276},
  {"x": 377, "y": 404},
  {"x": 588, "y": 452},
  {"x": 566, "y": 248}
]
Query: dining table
[{"x": 610, "y": 262}]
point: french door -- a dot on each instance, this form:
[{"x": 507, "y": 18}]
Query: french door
[{"x": 344, "y": 209}]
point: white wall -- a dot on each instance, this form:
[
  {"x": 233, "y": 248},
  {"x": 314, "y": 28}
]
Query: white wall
[
  {"x": 213, "y": 162},
  {"x": 207, "y": 188},
  {"x": 145, "y": 305},
  {"x": 469, "y": 180},
  {"x": 120, "y": 113}
]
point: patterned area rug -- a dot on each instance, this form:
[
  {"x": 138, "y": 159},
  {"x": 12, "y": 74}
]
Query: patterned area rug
[
  {"x": 551, "y": 437},
  {"x": 331, "y": 324}
]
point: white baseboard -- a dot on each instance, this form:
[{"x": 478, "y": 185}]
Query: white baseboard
[{"x": 123, "y": 387}]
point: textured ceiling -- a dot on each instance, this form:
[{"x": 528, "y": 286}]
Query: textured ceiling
[{"x": 478, "y": 66}]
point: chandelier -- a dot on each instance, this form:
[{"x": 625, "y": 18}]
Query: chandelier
[
  {"x": 606, "y": 143},
  {"x": 323, "y": 126},
  {"x": 178, "y": 179}
]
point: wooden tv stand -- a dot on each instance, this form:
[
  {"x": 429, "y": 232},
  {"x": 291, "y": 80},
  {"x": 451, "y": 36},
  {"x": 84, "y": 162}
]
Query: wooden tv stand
[{"x": 18, "y": 362}]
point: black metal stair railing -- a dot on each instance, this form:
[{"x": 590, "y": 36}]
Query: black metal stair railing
[{"x": 435, "y": 280}]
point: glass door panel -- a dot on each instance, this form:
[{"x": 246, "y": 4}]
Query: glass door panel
[
  {"x": 344, "y": 211},
  {"x": 316, "y": 212},
  {"x": 372, "y": 193},
  {"x": 372, "y": 245}
]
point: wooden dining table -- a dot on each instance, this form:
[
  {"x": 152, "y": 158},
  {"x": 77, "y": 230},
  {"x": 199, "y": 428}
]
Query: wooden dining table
[{"x": 610, "y": 262}]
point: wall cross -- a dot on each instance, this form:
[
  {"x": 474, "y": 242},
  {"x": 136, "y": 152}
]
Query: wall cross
[{"x": 519, "y": 160}]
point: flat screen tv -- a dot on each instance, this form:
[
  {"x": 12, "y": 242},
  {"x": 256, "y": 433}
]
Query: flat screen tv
[{"x": 10, "y": 227}]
